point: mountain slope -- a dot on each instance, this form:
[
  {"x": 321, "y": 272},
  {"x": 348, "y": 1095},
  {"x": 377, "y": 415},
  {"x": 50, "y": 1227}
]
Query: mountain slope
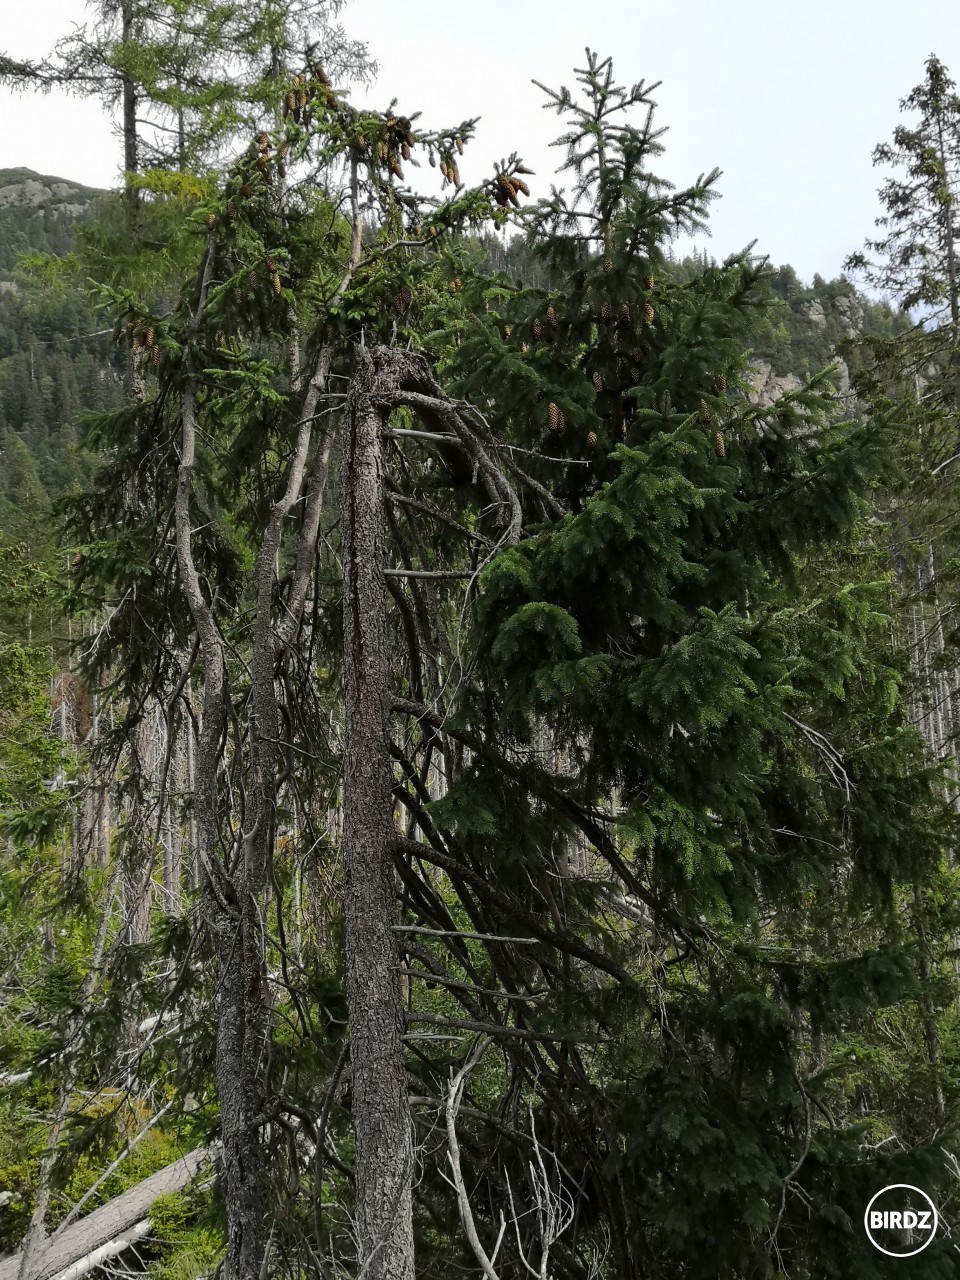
[{"x": 38, "y": 213}]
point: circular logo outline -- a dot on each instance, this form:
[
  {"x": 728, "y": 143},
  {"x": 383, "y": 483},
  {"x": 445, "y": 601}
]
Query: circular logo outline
[{"x": 901, "y": 1186}]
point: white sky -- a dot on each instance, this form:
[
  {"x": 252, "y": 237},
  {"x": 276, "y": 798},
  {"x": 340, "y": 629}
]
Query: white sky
[{"x": 788, "y": 99}]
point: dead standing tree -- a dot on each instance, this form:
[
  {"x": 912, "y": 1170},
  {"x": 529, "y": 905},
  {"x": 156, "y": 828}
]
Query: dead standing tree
[{"x": 383, "y": 379}]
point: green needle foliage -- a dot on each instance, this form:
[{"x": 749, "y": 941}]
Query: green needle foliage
[
  {"x": 695, "y": 748},
  {"x": 671, "y": 862}
]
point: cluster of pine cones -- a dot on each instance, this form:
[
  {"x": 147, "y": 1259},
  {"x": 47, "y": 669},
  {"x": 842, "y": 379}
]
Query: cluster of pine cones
[
  {"x": 141, "y": 338},
  {"x": 304, "y": 93},
  {"x": 395, "y": 143},
  {"x": 506, "y": 187}
]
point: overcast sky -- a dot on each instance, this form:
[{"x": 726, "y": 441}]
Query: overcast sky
[{"x": 788, "y": 100}]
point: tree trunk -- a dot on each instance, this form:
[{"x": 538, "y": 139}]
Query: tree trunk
[
  {"x": 381, "y": 1112},
  {"x": 129, "y": 126},
  {"x": 231, "y": 915}
]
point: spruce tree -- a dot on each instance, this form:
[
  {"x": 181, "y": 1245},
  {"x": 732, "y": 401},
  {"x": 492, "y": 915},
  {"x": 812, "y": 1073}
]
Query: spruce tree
[
  {"x": 917, "y": 373},
  {"x": 676, "y": 753},
  {"x": 632, "y": 819}
]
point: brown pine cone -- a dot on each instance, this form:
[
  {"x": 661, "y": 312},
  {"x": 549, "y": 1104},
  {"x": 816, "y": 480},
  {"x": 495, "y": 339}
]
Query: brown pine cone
[
  {"x": 706, "y": 417},
  {"x": 597, "y": 382},
  {"x": 553, "y": 417},
  {"x": 719, "y": 447},
  {"x": 719, "y": 384},
  {"x": 649, "y": 312},
  {"x": 551, "y": 317},
  {"x": 591, "y": 439}
]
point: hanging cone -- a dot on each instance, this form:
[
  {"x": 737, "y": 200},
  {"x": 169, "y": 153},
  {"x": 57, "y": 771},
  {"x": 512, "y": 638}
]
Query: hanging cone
[
  {"x": 597, "y": 382},
  {"x": 553, "y": 417},
  {"x": 649, "y": 312},
  {"x": 705, "y": 414},
  {"x": 719, "y": 384},
  {"x": 719, "y": 447},
  {"x": 592, "y": 439}
]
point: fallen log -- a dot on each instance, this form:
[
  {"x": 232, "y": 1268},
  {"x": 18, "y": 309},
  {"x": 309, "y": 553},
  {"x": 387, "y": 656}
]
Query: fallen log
[{"x": 109, "y": 1230}]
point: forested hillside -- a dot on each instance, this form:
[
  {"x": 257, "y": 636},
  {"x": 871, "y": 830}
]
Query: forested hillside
[{"x": 478, "y": 695}]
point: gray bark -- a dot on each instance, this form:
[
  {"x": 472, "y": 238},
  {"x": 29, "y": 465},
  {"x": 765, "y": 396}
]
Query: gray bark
[
  {"x": 381, "y": 1111},
  {"x": 231, "y": 914}
]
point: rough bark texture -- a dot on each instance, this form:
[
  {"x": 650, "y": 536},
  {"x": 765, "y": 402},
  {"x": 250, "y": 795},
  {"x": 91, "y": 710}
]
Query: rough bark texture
[
  {"x": 232, "y": 916},
  {"x": 381, "y": 1112}
]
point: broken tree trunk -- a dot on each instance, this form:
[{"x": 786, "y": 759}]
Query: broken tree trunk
[{"x": 381, "y": 1111}]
